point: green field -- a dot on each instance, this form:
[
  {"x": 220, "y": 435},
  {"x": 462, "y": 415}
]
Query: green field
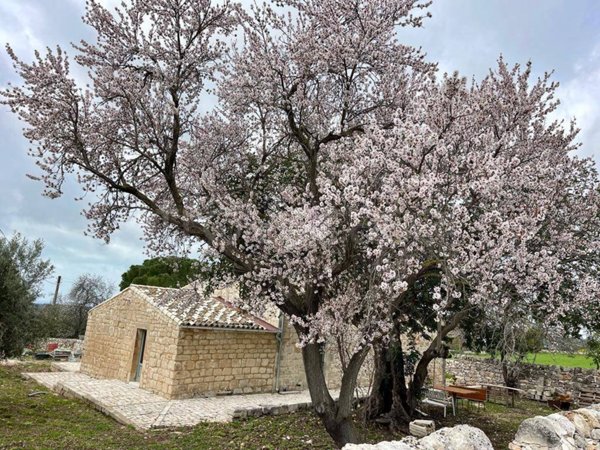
[
  {"x": 553, "y": 359},
  {"x": 562, "y": 359}
]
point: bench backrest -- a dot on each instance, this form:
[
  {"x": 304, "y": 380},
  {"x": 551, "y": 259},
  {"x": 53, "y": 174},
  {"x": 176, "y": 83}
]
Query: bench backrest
[{"x": 436, "y": 394}]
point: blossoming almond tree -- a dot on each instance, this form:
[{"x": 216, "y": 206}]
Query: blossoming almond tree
[
  {"x": 507, "y": 220},
  {"x": 333, "y": 173}
]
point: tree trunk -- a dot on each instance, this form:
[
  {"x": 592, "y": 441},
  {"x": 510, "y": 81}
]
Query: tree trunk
[
  {"x": 510, "y": 374},
  {"x": 336, "y": 416},
  {"x": 380, "y": 400},
  {"x": 390, "y": 395}
]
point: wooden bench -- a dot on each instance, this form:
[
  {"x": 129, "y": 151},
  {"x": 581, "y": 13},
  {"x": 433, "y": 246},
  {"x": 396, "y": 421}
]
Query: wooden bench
[{"x": 61, "y": 354}]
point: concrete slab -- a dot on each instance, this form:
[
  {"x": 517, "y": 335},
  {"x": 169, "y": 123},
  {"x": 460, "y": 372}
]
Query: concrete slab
[{"x": 129, "y": 404}]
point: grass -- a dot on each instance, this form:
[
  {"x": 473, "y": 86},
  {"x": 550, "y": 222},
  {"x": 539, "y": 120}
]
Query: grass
[
  {"x": 553, "y": 359},
  {"x": 50, "y": 421},
  {"x": 562, "y": 359}
]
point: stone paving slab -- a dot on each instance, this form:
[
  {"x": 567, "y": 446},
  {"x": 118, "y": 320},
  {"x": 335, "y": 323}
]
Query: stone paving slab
[
  {"x": 50, "y": 379},
  {"x": 65, "y": 366},
  {"x": 129, "y": 404}
]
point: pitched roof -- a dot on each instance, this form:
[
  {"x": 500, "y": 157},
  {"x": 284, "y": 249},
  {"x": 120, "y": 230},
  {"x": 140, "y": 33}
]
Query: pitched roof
[{"x": 190, "y": 308}]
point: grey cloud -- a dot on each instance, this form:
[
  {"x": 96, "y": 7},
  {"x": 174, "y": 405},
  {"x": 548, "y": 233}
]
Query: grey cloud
[{"x": 464, "y": 35}]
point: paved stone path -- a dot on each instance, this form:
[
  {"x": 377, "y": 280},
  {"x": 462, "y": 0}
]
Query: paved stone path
[{"x": 129, "y": 404}]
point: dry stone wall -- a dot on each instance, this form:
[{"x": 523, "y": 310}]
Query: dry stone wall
[
  {"x": 579, "y": 429},
  {"x": 539, "y": 381},
  {"x": 75, "y": 345}
]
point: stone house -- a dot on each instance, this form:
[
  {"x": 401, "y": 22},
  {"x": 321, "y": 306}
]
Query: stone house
[{"x": 180, "y": 344}]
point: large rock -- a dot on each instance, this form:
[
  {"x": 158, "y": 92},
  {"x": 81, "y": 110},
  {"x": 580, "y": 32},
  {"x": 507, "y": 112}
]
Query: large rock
[
  {"x": 563, "y": 426},
  {"x": 540, "y": 431},
  {"x": 578, "y": 429},
  {"x": 580, "y": 421},
  {"x": 385, "y": 445},
  {"x": 460, "y": 437},
  {"x": 571, "y": 430}
]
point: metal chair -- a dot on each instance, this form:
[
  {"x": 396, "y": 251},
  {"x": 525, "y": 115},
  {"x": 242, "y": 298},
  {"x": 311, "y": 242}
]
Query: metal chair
[{"x": 440, "y": 399}]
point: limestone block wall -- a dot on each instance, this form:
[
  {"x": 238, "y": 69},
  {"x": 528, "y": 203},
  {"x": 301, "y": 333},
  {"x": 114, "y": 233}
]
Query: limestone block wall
[
  {"x": 333, "y": 370},
  {"x": 210, "y": 362},
  {"x": 292, "y": 376},
  {"x": 110, "y": 342},
  {"x": 291, "y": 366}
]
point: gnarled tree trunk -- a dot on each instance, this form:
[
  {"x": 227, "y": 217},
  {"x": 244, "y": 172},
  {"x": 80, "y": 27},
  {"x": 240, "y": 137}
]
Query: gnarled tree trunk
[
  {"x": 336, "y": 416},
  {"x": 391, "y": 396}
]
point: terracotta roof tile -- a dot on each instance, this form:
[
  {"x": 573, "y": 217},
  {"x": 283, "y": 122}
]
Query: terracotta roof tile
[{"x": 191, "y": 308}]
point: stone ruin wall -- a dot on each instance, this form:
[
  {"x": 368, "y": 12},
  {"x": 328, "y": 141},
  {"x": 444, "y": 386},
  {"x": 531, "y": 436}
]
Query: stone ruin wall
[
  {"x": 539, "y": 381},
  {"x": 75, "y": 345}
]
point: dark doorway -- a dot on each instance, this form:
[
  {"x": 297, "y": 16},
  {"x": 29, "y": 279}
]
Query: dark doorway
[{"x": 138, "y": 355}]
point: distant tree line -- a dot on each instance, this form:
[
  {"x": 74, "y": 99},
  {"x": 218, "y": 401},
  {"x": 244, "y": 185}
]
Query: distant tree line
[
  {"x": 68, "y": 318},
  {"x": 167, "y": 271},
  {"x": 22, "y": 271}
]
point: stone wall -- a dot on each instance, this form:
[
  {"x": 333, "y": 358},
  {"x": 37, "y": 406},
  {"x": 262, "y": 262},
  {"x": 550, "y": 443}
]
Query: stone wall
[
  {"x": 579, "y": 429},
  {"x": 539, "y": 381},
  {"x": 75, "y": 345},
  {"x": 291, "y": 366},
  {"x": 212, "y": 362},
  {"x": 471, "y": 370},
  {"x": 110, "y": 342},
  {"x": 291, "y": 374}
]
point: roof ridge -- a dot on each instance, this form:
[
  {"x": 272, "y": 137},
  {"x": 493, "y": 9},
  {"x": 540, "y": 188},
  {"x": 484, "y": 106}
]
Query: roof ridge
[
  {"x": 260, "y": 322},
  {"x": 154, "y": 287}
]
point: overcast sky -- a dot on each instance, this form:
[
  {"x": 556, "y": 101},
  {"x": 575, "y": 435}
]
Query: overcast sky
[{"x": 463, "y": 35}]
